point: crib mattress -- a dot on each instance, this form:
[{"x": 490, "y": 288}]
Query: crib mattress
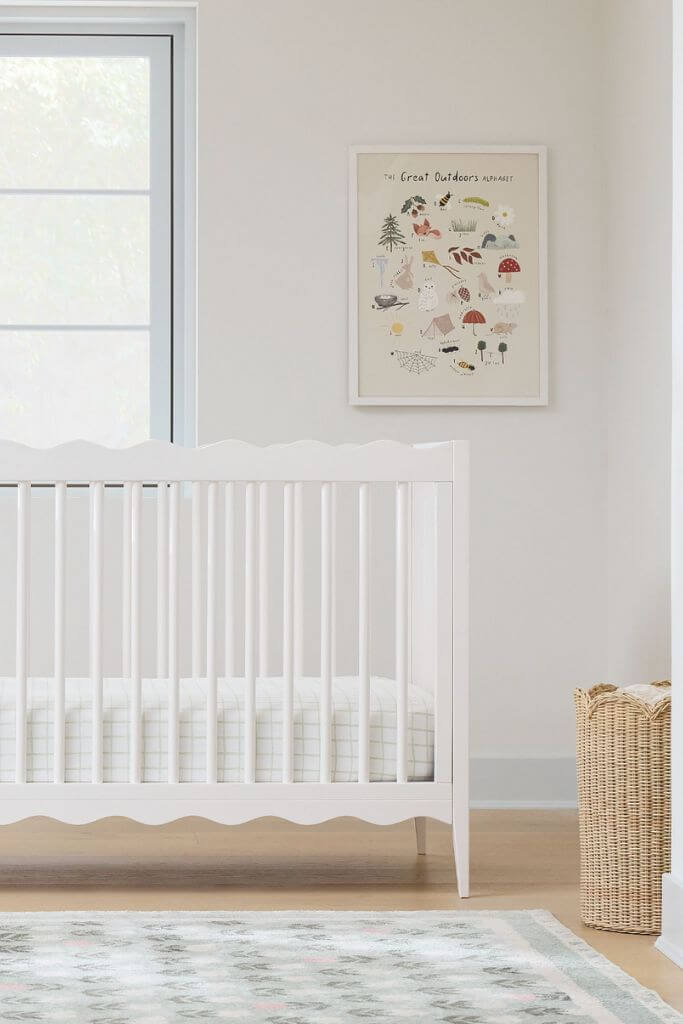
[{"x": 192, "y": 730}]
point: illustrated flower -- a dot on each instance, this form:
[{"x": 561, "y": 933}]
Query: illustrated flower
[{"x": 504, "y": 216}]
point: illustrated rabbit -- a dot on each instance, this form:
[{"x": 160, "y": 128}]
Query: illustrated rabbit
[{"x": 403, "y": 278}]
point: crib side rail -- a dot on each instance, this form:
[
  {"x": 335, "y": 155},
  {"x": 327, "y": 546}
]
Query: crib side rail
[
  {"x": 439, "y": 471},
  {"x": 83, "y": 462}
]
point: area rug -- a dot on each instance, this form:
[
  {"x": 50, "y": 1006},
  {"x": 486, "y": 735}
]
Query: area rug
[{"x": 472, "y": 967}]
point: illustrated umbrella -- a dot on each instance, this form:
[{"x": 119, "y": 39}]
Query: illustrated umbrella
[{"x": 473, "y": 317}]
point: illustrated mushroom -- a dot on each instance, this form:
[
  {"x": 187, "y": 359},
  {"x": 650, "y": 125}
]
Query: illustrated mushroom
[
  {"x": 474, "y": 317},
  {"x": 508, "y": 266},
  {"x": 464, "y": 294}
]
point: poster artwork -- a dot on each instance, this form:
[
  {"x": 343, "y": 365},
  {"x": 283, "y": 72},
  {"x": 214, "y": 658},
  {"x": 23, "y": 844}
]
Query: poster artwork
[{"x": 448, "y": 277}]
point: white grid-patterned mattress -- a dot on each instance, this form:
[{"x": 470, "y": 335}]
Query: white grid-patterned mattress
[{"x": 40, "y": 718}]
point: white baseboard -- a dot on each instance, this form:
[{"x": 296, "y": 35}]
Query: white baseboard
[
  {"x": 670, "y": 942},
  {"x": 520, "y": 805},
  {"x": 674, "y": 953},
  {"x": 523, "y": 782}
]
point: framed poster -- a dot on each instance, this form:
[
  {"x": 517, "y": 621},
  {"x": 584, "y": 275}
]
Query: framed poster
[{"x": 448, "y": 275}]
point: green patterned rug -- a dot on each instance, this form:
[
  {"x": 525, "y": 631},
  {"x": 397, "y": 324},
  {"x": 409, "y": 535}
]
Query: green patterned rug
[{"x": 472, "y": 967}]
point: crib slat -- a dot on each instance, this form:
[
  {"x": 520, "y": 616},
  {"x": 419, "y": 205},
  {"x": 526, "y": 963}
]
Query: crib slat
[
  {"x": 402, "y": 632},
  {"x": 197, "y": 638},
  {"x": 162, "y": 580},
  {"x": 288, "y": 633},
  {"x": 441, "y": 555},
  {"x": 263, "y": 581},
  {"x": 363, "y": 633},
  {"x": 211, "y": 618},
  {"x": 136, "y": 633},
  {"x": 96, "y": 570},
  {"x": 325, "y": 630},
  {"x": 173, "y": 673},
  {"x": 60, "y": 631},
  {"x": 230, "y": 579},
  {"x": 250, "y": 613},
  {"x": 125, "y": 581},
  {"x": 298, "y": 580},
  {"x": 23, "y": 581}
]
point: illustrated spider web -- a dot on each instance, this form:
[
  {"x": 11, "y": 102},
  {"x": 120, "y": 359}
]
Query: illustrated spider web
[{"x": 415, "y": 362}]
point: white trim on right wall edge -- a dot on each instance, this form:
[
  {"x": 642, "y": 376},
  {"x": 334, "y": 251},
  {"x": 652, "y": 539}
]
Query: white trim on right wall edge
[{"x": 671, "y": 941}]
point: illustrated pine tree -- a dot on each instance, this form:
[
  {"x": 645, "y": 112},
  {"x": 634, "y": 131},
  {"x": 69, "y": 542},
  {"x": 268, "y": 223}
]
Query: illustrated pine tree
[
  {"x": 481, "y": 345},
  {"x": 391, "y": 233},
  {"x": 502, "y": 348}
]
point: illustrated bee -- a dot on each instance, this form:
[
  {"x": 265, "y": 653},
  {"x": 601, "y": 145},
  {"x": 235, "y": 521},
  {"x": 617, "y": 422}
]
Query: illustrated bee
[
  {"x": 464, "y": 367},
  {"x": 444, "y": 201}
]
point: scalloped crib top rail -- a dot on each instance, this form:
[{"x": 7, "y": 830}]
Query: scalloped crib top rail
[{"x": 83, "y": 462}]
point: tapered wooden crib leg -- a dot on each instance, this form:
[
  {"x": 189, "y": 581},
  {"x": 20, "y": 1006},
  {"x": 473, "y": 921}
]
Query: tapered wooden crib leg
[
  {"x": 461, "y": 846},
  {"x": 421, "y": 835}
]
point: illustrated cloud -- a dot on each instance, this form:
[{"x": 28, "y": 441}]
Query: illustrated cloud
[{"x": 509, "y": 297}]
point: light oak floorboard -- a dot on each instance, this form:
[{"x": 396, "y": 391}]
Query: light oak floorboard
[{"x": 520, "y": 860}]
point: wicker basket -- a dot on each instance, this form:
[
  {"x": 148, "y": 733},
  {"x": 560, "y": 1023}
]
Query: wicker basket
[{"x": 623, "y": 768}]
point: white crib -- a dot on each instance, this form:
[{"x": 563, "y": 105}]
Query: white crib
[{"x": 230, "y": 559}]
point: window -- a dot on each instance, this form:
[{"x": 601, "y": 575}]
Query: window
[{"x": 92, "y": 323}]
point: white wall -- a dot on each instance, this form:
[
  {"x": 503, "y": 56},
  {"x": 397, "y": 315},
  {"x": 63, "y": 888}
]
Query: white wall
[
  {"x": 638, "y": 181},
  {"x": 570, "y": 512},
  {"x": 637, "y": 335},
  {"x": 283, "y": 90}
]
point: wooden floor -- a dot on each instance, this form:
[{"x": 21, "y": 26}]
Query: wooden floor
[{"x": 521, "y": 859}]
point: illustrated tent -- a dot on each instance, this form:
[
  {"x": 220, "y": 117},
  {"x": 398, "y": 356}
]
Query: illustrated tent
[{"x": 440, "y": 326}]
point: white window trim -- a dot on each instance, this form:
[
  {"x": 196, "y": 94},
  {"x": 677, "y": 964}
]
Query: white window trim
[{"x": 179, "y": 21}]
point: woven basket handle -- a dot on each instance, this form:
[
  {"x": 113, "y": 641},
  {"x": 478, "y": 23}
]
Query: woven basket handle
[
  {"x": 595, "y": 691},
  {"x": 601, "y": 688}
]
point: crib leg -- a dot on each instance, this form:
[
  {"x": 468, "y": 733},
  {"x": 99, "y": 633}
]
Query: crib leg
[
  {"x": 461, "y": 845},
  {"x": 421, "y": 835}
]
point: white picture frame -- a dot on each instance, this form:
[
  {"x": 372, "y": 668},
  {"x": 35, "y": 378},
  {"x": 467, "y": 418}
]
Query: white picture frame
[{"x": 360, "y": 395}]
